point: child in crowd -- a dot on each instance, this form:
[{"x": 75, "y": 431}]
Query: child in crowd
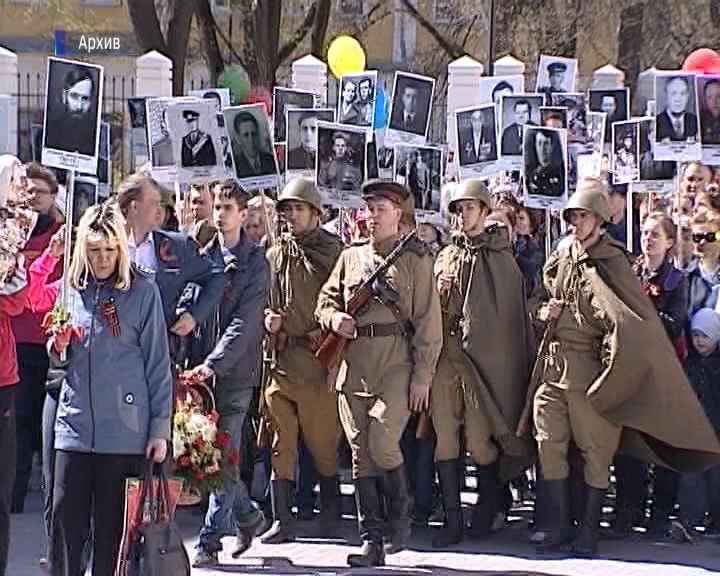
[{"x": 700, "y": 491}]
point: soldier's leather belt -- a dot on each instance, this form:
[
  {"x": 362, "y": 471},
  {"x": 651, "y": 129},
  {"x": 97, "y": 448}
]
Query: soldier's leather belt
[{"x": 380, "y": 330}]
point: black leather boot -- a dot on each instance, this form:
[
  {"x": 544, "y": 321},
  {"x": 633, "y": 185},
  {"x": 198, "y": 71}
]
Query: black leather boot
[
  {"x": 398, "y": 504},
  {"x": 586, "y": 541},
  {"x": 559, "y": 532},
  {"x": 452, "y": 531},
  {"x": 490, "y": 501},
  {"x": 283, "y": 528},
  {"x": 370, "y": 525},
  {"x": 329, "y": 503}
]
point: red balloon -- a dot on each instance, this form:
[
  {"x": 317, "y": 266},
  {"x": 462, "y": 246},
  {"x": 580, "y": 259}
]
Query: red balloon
[
  {"x": 703, "y": 60},
  {"x": 257, "y": 95}
]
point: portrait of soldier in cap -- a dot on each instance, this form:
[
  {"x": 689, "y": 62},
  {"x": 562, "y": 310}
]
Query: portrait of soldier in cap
[
  {"x": 197, "y": 147},
  {"x": 544, "y": 155},
  {"x": 555, "y": 75}
]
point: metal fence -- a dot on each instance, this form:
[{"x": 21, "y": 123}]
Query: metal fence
[{"x": 31, "y": 108}]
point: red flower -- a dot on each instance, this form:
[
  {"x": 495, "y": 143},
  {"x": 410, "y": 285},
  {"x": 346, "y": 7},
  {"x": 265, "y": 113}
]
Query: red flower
[
  {"x": 222, "y": 438},
  {"x": 199, "y": 442},
  {"x": 164, "y": 252},
  {"x": 234, "y": 457},
  {"x": 184, "y": 461}
]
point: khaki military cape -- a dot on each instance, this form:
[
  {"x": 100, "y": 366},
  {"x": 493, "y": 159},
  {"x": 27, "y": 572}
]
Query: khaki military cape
[
  {"x": 642, "y": 387},
  {"x": 497, "y": 339}
]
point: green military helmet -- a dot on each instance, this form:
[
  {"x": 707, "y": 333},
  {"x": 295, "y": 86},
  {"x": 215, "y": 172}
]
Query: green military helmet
[
  {"x": 591, "y": 195},
  {"x": 301, "y": 190},
  {"x": 470, "y": 189}
]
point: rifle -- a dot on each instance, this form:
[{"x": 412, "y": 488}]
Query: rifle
[
  {"x": 333, "y": 346},
  {"x": 271, "y": 343}
]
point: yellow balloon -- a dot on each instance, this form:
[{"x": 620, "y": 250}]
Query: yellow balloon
[{"x": 345, "y": 55}]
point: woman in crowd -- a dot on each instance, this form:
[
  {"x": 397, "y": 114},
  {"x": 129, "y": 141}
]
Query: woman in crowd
[
  {"x": 115, "y": 402},
  {"x": 704, "y": 279},
  {"x": 667, "y": 288}
]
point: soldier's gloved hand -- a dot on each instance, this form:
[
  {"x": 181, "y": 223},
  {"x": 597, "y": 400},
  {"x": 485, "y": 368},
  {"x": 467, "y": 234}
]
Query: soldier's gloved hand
[
  {"x": 343, "y": 324},
  {"x": 419, "y": 397},
  {"x": 273, "y": 322},
  {"x": 551, "y": 310}
]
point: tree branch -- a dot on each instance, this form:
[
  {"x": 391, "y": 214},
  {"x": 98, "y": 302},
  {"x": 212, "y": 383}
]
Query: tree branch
[
  {"x": 208, "y": 27},
  {"x": 319, "y": 28},
  {"x": 452, "y": 49},
  {"x": 289, "y": 47},
  {"x": 146, "y": 26}
]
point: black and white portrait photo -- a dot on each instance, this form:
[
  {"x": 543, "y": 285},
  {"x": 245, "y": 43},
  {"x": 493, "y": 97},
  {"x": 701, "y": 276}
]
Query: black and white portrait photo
[
  {"x": 555, "y": 75},
  {"x": 284, "y": 98},
  {"x": 553, "y": 116},
  {"x": 72, "y": 115},
  {"x": 420, "y": 169},
  {"x": 576, "y": 108},
  {"x": 658, "y": 172},
  {"x": 410, "y": 107},
  {"x": 252, "y": 145},
  {"x": 162, "y": 156},
  {"x": 196, "y": 140},
  {"x": 708, "y": 95},
  {"x": 615, "y": 104},
  {"x": 356, "y": 99},
  {"x": 219, "y": 96},
  {"x": 625, "y": 159},
  {"x": 677, "y": 130},
  {"x": 493, "y": 88},
  {"x": 476, "y": 135},
  {"x": 517, "y": 111},
  {"x": 85, "y": 194},
  {"x": 340, "y": 162},
  {"x": 386, "y": 161},
  {"x": 302, "y": 136},
  {"x": 139, "y": 154},
  {"x": 545, "y": 160}
]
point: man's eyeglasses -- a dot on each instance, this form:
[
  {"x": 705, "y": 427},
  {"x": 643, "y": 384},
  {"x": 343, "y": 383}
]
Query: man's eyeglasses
[{"x": 705, "y": 237}]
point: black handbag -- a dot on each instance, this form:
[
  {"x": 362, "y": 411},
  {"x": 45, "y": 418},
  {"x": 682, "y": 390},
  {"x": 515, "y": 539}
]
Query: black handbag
[{"x": 156, "y": 546}]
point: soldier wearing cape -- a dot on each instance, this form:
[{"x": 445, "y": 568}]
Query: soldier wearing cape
[
  {"x": 484, "y": 369},
  {"x": 607, "y": 376}
]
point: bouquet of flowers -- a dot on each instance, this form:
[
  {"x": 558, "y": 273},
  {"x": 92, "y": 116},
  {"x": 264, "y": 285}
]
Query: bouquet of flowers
[
  {"x": 57, "y": 321},
  {"x": 198, "y": 445}
]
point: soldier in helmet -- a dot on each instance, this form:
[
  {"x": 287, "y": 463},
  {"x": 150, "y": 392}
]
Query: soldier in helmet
[
  {"x": 298, "y": 398},
  {"x": 482, "y": 376},
  {"x": 606, "y": 367},
  {"x": 388, "y": 366}
]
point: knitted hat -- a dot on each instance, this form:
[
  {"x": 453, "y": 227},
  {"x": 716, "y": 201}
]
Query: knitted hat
[{"x": 707, "y": 321}]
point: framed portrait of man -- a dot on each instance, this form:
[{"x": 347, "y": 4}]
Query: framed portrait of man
[
  {"x": 340, "y": 166},
  {"x": 283, "y": 99},
  {"x": 219, "y": 96},
  {"x": 625, "y": 158},
  {"x": 410, "y": 109},
  {"x": 707, "y": 87},
  {"x": 677, "y": 130},
  {"x": 555, "y": 75},
  {"x": 420, "y": 169},
  {"x": 493, "y": 88},
  {"x": 516, "y": 112},
  {"x": 545, "y": 167},
  {"x": 73, "y": 108},
  {"x": 614, "y": 103},
  {"x": 251, "y": 141},
  {"x": 302, "y": 138}
]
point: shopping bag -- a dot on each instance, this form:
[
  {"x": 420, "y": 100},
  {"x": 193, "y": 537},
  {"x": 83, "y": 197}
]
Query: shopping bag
[{"x": 143, "y": 507}]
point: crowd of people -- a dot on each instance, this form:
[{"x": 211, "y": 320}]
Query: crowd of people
[{"x": 473, "y": 354}]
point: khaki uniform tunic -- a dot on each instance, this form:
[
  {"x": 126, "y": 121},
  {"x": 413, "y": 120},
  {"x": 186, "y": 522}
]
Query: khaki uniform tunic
[
  {"x": 374, "y": 378},
  {"x": 562, "y": 411},
  {"x": 298, "y": 397}
]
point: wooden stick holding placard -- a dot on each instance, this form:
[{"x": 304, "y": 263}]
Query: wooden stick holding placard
[
  {"x": 629, "y": 218},
  {"x": 69, "y": 217}
]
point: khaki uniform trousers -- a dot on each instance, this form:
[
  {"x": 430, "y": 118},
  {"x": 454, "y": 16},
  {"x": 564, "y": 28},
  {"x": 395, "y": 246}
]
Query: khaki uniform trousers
[
  {"x": 562, "y": 412},
  {"x": 454, "y": 403},
  {"x": 307, "y": 409},
  {"x": 373, "y": 424}
]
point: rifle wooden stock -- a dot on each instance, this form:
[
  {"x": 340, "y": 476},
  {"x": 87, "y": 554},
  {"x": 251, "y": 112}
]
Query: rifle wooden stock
[{"x": 331, "y": 350}]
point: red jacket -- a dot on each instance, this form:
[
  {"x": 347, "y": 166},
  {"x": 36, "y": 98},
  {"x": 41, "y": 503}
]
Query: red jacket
[
  {"x": 10, "y": 305},
  {"x": 27, "y": 327}
]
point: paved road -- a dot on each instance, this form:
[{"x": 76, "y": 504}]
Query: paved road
[{"x": 506, "y": 554}]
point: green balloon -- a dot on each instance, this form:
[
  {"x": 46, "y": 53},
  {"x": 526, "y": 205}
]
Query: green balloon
[{"x": 237, "y": 80}]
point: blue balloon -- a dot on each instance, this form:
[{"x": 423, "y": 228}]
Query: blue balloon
[{"x": 380, "y": 118}]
